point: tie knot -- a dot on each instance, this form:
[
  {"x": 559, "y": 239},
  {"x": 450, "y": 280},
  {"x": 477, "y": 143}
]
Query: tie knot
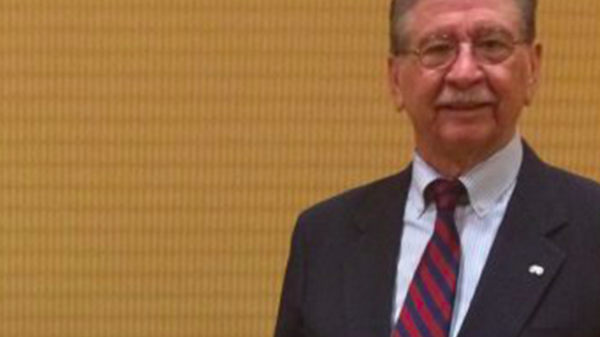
[{"x": 445, "y": 193}]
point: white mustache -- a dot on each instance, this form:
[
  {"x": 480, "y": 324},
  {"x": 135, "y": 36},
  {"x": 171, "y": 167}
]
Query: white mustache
[{"x": 465, "y": 98}]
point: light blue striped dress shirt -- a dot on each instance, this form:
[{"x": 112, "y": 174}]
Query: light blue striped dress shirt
[{"x": 490, "y": 185}]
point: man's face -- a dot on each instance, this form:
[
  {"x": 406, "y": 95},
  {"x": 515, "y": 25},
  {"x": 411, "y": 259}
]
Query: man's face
[{"x": 468, "y": 105}]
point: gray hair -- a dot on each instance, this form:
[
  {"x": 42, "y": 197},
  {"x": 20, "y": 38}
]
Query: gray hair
[{"x": 399, "y": 9}]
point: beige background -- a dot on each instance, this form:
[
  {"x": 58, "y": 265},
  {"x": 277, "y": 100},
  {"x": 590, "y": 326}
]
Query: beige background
[{"x": 154, "y": 154}]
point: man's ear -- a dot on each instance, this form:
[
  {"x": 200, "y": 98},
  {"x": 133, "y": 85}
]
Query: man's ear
[
  {"x": 394, "y": 79},
  {"x": 535, "y": 64}
]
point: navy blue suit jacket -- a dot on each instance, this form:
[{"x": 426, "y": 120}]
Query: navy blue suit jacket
[{"x": 341, "y": 271}]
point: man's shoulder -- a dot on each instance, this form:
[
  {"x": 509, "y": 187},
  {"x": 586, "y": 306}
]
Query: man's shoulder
[
  {"x": 345, "y": 205},
  {"x": 577, "y": 190},
  {"x": 572, "y": 188},
  {"x": 575, "y": 184}
]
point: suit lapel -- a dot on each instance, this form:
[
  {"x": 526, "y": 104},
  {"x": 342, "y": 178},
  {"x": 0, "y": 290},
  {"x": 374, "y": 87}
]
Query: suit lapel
[
  {"x": 371, "y": 258},
  {"x": 512, "y": 282}
]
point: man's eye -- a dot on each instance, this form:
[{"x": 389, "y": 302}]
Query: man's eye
[
  {"x": 438, "y": 49},
  {"x": 492, "y": 45}
]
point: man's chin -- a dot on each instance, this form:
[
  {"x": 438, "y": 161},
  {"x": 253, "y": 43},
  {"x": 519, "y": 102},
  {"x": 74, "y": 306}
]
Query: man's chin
[{"x": 467, "y": 138}]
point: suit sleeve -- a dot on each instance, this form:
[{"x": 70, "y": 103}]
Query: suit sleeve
[{"x": 290, "y": 320}]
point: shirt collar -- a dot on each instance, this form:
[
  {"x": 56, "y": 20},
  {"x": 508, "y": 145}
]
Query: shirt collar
[{"x": 486, "y": 183}]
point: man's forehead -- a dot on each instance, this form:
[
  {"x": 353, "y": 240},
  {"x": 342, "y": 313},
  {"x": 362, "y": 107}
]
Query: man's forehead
[
  {"x": 432, "y": 15},
  {"x": 463, "y": 4}
]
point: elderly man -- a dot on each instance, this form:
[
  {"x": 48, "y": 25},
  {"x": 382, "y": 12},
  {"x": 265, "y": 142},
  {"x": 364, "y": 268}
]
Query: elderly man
[{"x": 477, "y": 237}]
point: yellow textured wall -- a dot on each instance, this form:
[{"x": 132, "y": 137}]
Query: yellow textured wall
[{"x": 154, "y": 154}]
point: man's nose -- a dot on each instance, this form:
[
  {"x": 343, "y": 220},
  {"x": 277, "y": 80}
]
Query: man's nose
[{"x": 465, "y": 71}]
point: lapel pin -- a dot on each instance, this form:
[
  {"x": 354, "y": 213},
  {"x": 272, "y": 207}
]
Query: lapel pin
[{"x": 536, "y": 270}]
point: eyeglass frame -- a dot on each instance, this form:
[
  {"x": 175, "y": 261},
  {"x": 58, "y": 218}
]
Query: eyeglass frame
[{"x": 511, "y": 44}]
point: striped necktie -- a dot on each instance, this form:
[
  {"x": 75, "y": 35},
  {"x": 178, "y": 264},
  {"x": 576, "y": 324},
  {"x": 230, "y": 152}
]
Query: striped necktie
[{"x": 427, "y": 309}]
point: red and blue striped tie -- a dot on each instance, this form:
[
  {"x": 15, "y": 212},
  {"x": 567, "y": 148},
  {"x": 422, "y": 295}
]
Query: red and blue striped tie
[{"x": 427, "y": 310}]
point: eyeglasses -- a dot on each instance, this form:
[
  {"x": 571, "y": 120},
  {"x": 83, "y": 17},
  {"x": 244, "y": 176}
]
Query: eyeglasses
[{"x": 441, "y": 50}]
